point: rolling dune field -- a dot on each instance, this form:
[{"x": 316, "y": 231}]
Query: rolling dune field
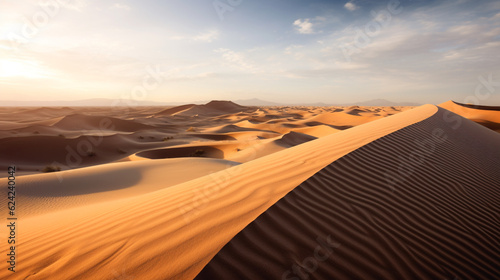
[{"x": 224, "y": 191}]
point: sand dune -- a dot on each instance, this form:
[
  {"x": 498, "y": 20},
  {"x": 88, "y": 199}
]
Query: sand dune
[
  {"x": 15, "y": 124},
  {"x": 214, "y": 137},
  {"x": 189, "y": 222},
  {"x": 99, "y": 123},
  {"x": 238, "y": 151},
  {"x": 256, "y": 149},
  {"x": 211, "y": 150},
  {"x": 235, "y": 128},
  {"x": 250, "y": 134},
  {"x": 213, "y": 108},
  {"x": 32, "y": 153},
  {"x": 174, "y": 110},
  {"x": 35, "y": 138},
  {"x": 409, "y": 205},
  {"x": 222, "y": 191},
  {"x": 294, "y": 138},
  {"x": 43, "y": 193},
  {"x": 317, "y": 131},
  {"x": 485, "y": 115}
]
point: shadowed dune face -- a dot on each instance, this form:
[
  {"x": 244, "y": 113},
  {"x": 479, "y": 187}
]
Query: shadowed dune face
[
  {"x": 194, "y": 151},
  {"x": 341, "y": 127},
  {"x": 478, "y": 107},
  {"x": 489, "y": 124},
  {"x": 174, "y": 110},
  {"x": 210, "y": 109},
  {"x": 488, "y": 116},
  {"x": 215, "y": 137},
  {"x": 102, "y": 123},
  {"x": 45, "y": 193},
  {"x": 293, "y": 139},
  {"x": 419, "y": 203}
]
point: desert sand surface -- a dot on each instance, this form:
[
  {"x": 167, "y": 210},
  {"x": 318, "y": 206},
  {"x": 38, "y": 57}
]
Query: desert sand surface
[
  {"x": 69, "y": 138},
  {"x": 437, "y": 219},
  {"x": 485, "y": 115},
  {"x": 223, "y": 191}
]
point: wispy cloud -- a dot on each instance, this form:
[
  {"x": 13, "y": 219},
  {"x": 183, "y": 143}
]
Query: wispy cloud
[
  {"x": 311, "y": 25},
  {"x": 351, "y": 6},
  {"x": 77, "y": 5},
  {"x": 304, "y": 26},
  {"x": 236, "y": 59},
  {"x": 121, "y": 6},
  {"x": 207, "y": 37}
]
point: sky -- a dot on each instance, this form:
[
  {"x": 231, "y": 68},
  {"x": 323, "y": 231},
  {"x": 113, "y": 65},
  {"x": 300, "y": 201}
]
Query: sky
[{"x": 294, "y": 51}]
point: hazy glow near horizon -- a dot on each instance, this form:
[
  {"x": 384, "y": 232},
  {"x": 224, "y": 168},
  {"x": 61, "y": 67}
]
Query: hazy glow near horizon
[
  {"x": 20, "y": 68},
  {"x": 283, "y": 51}
]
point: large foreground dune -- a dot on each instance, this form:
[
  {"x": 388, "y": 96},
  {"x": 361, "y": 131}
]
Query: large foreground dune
[
  {"x": 222, "y": 191},
  {"x": 420, "y": 203}
]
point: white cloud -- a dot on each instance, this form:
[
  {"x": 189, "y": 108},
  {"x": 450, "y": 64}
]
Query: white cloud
[
  {"x": 350, "y": 6},
  {"x": 120, "y": 6},
  {"x": 400, "y": 54},
  {"x": 193, "y": 77},
  {"x": 208, "y": 37},
  {"x": 236, "y": 59},
  {"x": 304, "y": 26},
  {"x": 466, "y": 29},
  {"x": 310, "y": 25},
  {"x": 76, "y": 5}
]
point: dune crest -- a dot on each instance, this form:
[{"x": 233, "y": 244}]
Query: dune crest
[{"x": 212, "y": 108}]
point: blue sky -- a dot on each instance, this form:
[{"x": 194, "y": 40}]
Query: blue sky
[{"x": 298, "y": 51}]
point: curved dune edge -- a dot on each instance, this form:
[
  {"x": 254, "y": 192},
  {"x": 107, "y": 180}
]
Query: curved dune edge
[
  {"x": 43, "y": 193},
  {"x": 488, "y": 116},
  {"x": 478, "y": 107},
  {"x": 372, "y": 216},
  {"x": 174, "y": 232}
]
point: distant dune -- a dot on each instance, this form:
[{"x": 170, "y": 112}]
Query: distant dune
[
  {"x": 68, "y": 138},
  {"x": 214, "y": 108},
  {"x": 175, "y": 110},
  {"x": 485, "y": 115}
]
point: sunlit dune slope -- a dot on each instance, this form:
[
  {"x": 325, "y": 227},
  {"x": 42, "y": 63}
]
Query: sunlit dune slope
[{"x": 43, "y": 193}]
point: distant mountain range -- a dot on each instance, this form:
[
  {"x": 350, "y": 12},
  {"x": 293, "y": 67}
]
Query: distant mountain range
[{"x": 243, "y": 102}]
